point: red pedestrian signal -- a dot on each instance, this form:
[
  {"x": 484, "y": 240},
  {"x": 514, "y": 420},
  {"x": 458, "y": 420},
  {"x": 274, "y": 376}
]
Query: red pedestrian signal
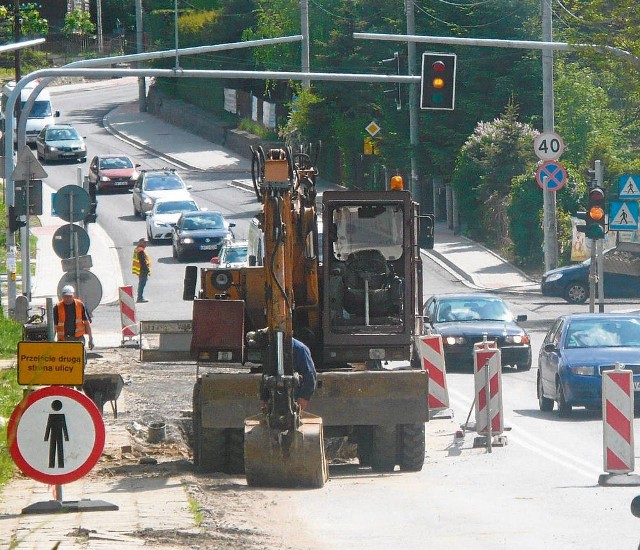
[{"x": 438, "y": 83}]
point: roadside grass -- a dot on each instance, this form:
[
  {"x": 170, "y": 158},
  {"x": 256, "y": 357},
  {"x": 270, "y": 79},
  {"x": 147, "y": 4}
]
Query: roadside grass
[
  {"x": 10, "y": 335},
  {"x": 195, "y": 509},
  {"x": 10, "y": 396}
]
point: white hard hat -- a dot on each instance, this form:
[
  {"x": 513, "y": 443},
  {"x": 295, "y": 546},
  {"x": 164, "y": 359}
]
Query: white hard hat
[{"x": 68, "y": 290}]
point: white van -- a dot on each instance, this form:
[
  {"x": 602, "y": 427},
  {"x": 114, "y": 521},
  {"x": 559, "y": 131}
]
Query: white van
[{"x": 41, "y": 114}]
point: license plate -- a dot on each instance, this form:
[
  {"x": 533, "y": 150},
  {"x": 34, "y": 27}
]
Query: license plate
[
  {"x": 120, "y": 183},
  {"x": 208, "y": 247},
  {"x": 636, "y": 386}
]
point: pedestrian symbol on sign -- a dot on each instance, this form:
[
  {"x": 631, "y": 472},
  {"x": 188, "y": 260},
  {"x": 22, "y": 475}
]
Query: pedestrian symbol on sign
[{"x": 56, "y": 430}]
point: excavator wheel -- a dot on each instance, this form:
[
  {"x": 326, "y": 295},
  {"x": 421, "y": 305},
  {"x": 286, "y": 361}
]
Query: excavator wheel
[
  {"x": 295, "y": 461},
  {"x": 384, "y": 448},
  {"x": 364, "y": 441},
  {"x": 235, "y": 451},
  {"x": 209, "y": 444},
  {"x": 411, "y": 447}
]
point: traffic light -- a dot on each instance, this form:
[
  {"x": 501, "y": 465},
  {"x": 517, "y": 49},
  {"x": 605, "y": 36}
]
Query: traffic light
[
  {"x": 438, "y": 83},
  {"x": 15, "y": 222},
  {"x": 594, "y": 217},
  {"x": 395, "y": 61}
]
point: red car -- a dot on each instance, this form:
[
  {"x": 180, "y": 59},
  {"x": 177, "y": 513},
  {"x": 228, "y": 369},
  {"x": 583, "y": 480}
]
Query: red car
[{"x": 113, "y": 172}]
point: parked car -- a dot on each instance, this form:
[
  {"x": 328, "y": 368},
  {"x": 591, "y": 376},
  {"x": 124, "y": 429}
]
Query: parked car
[
  {"x": 60, "y": 142},
  {"x": 113, "y": 172},
  {"x": 232, "y": 254},
  {"x": 463, "y": 319},
  {"x": 621, "y": 278},
  {"x": 164, "y": 214},
  {"x": 155, "y": 184},
  {"x": 200, "y": 233},
  {"x": 575, "y": 352}
]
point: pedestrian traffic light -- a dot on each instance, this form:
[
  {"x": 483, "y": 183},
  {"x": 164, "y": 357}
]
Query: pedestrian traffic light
[
  {"x": 15, "y": 222},
  {"x": 395, "y": 62},
  {"x": 438, "y": 83},
  {"x": 594, "y": 217}
]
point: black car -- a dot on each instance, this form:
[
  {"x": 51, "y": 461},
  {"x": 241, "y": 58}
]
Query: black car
[
  {"x": 621, "y": 278},
  {"x": 200, "y": 233},
  {"x": 463, "y": 319}
]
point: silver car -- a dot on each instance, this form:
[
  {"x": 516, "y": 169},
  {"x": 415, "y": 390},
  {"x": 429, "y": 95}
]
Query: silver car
[
  {"x": 165, "y": 214},
  {"x": 156, "y": 184}
]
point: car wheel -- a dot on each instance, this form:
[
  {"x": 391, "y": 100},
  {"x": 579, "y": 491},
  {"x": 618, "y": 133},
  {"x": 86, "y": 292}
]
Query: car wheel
[
  {"x": 149, "y": 236},
  {"x": 545, "y": 404},
  {"x": 175, "y": 252},
  {"x": 564, "y": 409},
  {"x": 179, "y": 255},
  {"x": 576, "y": 293}
]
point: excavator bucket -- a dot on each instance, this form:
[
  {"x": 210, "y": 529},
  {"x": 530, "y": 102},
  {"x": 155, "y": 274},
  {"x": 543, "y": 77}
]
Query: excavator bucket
[{"x": 290, "y": 460}]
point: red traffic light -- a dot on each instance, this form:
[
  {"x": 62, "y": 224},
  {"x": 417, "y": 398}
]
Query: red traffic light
[{"x": 438, "y": 67}]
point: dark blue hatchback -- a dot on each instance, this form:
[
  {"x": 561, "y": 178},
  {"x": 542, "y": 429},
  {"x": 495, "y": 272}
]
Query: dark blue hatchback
[{"x": 575, "y": 352}]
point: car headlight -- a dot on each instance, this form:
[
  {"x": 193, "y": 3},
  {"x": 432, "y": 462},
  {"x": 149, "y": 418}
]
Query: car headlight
[
  {"x": 104, "y": 178},
  {"x": 148, "y": 200},
  {"x": 52, "y": 148},
  {"x": 454, "y": 340},
  {"x": 583, "y": 371},
  {"x": 553, "y": 277},
  {"x": 516, "y": 339},
  {"x": 186, "y": 240}
]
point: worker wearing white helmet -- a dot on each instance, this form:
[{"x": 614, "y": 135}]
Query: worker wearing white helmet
[{"x": 71, "y": 318}]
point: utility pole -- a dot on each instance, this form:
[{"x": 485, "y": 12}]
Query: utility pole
[
  {"x": 550, "y": 225},
  {"x": 16, "y": 37},
  {"x": 304, "y": 31},
  {"x": 99, "y": 25},
  {"x": 419, "y": 194},
  {"x": 142, "y": 89}
]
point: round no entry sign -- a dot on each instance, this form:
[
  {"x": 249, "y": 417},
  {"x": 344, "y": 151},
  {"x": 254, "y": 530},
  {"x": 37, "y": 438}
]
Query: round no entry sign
[{"x": 551, "y": 175}]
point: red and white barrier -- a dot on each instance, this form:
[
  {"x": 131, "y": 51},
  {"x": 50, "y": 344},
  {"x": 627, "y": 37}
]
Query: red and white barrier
[
  {"x": 617, "y": 418},
  {"x": 487, "y": 368},
  {"x": 432, "y": 360},
  {"x": 128, "y": 313}
]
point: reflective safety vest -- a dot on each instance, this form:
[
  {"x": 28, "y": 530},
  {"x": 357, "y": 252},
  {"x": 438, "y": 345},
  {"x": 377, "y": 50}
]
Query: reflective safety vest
[
  {"x": 135, "y": 266},
  {"x": 62, "y": 316}
]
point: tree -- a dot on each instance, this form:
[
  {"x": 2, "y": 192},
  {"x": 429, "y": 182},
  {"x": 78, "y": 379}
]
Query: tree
[
  {"x": 78, "y": 23},
  {"x": 31, "y": 24},
  {"x": 489, "y": 160}
]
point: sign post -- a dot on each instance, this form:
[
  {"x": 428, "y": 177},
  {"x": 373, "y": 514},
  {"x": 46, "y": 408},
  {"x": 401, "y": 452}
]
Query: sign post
[{"x": 56, "y": 436}]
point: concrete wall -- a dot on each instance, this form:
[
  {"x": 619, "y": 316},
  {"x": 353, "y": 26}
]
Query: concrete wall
[{"x": 200, "y": 122}]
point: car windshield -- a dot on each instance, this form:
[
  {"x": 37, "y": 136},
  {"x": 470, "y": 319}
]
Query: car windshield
[
  {"x": 62, "y": 134},
  {"x": 204, "y": 221},
  {"x": 235, "y": 255},
  {"x": 603, "y": 333},
  {"x": 478, "y": 309},
  {"x": 163, "y": 183},
  {"x": 40, "y": 109},
  {"x": 175, "y": 207},
  {"x": 115, "y": 163}
]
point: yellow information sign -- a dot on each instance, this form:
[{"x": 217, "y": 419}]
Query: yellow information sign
[{"x": 50, "y": 363}]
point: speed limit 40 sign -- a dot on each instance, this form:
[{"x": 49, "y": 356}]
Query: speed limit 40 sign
[{"x": 548, "y": 146}]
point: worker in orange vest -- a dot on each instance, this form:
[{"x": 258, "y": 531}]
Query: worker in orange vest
[{"x": 71, "y": 318}]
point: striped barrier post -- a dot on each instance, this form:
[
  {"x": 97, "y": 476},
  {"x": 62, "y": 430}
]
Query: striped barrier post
[
  {"x": 432, "y": 360},
  {"x": 617, "y": 419},
  {"x": 128, "y": 313},
  {"x": 487, "y": 368}
]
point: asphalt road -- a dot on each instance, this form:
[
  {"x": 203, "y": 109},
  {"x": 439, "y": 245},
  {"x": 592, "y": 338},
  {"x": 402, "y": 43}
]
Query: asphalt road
[{"x": 540, "y": 490}]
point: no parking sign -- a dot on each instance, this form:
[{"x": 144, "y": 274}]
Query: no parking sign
[{"x": 551, "y": 175}]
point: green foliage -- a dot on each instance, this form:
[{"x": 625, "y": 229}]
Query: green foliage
[
  {"x": 257, "y": 129},
  {"x": 497, "y": 152},
  {"x": 10, "y": 335},
  {"x": 78, "y": 22},
  {"x": 31, "y": 24},
  {"x": 10, "y": 396}
]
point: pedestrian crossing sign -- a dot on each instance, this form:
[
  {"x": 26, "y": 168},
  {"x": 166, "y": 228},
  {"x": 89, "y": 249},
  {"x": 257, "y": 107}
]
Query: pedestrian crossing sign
[
  {"x": 623, "y": 216},
  {"x": 629, "y": 187}
]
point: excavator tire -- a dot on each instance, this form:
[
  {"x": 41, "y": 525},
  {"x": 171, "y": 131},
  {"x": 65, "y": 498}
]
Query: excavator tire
[
  {"x": 209, "y": 444},
  {"x": 411, "y": 447},
  {"x": 383, "y": 448},
  {"x": 235, "y": 451},
  {"x": 270, "y": 462},
  {"x": 364, "y": 441}
]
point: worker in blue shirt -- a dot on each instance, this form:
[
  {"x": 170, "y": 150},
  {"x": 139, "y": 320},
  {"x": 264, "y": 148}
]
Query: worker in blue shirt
[{"x": 303, "y": 365}]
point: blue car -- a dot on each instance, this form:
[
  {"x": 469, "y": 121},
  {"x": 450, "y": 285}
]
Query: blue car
[
  {"x": 621, "y": 278},
  {"x": 575, "y": 352}
]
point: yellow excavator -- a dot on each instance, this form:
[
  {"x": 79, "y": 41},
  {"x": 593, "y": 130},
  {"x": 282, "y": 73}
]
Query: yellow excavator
[{"x": 348, "y": 286}]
